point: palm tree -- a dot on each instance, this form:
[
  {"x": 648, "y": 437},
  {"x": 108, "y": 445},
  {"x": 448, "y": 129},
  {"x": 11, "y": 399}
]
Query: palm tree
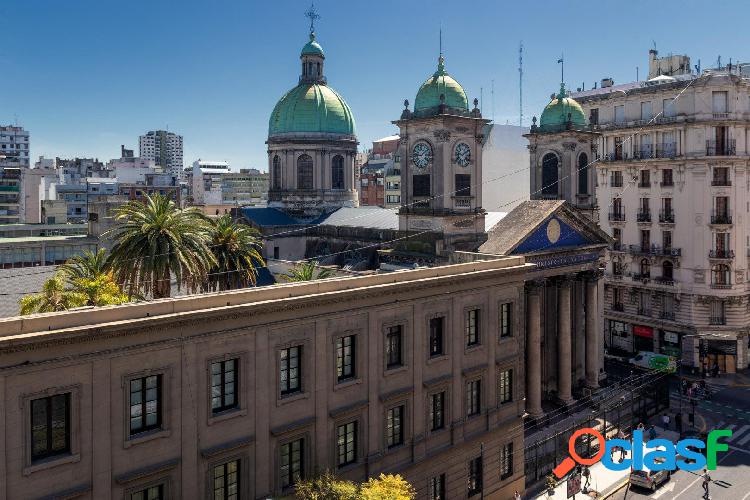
[
  {"x": 90, "y": 265},
  {"x": 236, "y": 250},
  {"x": 155, "y": 241},
  {"x": 53, "y": 297},
  {"x": 305, "y": 271}
]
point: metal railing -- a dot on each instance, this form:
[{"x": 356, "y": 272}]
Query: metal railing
[
  {"x": 666, "y": 216},
  {"x": 662, "y": 280},
  {"x": 619, "y": 247},
  {"x": 618, "y": 306},
  {"x": 640, "y": 277},
  {"x": 666, "y": 150},
  {"x": 667, "y": 315},
  {"x": 723, "y": 217},
  {"x": 669, "y": 183},
  {"x": 721, "y": 148},
  {"x": 615, "y": 181},
  {"x": 721, "y": 181},
  {"x": 644, "y": 249},
  {"x": 721, "y": 254},
  {"x": 717, "y": 320},
  {"x": 642, "y": 311},
  {"x": 617, "y": 216},
  {"x": 644, "y": 215},
  {"x": 721, "y": 286},
  {"x": 668, "y": 251}
]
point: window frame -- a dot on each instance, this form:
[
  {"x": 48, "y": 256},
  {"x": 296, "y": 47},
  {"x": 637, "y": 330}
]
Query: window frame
[
  {"x": 223, "y": 463},
  {"x": 50, "y": 454},
  {"x": 473, "y": 404},
  {"x": 340, "y": 376},
  {"x": 431, "y": 413},
  {"x": 394, "y": 331},
  {"x": 430, "y": 351},
  {"x": 145, "y": 428},
  {"x": 237, "y": 385},
  {"x": 395, "y": 432},
  {"x": 436, "y": 487},
  {"x": 302, "y": 459},
  {"x": 472, "y": 339},
  {"x": 475, "y": 471},
  {"x": 506, "y": 461},
  {"x": 288, "y": 391},
  {"x": 355, "y": 443},
  {"x": 163, "y": 482},
  {"x": 165, "y": 407},
  {"x": 505, "y": 320},
  {"x": 505, "y": 390}
]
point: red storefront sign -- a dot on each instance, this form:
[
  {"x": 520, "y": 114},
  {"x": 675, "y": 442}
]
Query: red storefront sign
[{"x": 643, "y": 331}]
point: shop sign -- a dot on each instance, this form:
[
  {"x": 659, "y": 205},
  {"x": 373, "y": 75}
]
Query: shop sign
[
  {"x": 672, "y": 337},
  {"x": 643, "y": 331}
]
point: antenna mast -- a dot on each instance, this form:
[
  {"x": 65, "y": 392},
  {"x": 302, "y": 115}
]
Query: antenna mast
[
  {"x": 493, "y": 100},
  {"x": 520, "y": 84}
]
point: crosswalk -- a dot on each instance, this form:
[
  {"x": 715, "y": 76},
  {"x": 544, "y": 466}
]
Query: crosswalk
[{"x": 739, "y": 436}]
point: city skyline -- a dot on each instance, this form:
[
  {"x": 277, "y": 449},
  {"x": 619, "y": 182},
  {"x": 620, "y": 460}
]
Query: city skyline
[{"x": 196, "y": 73}]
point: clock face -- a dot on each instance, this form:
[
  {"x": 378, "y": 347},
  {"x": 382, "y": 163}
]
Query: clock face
[
  {"x": 421, "y": 155},
  {"x": 463, "y": 154}
]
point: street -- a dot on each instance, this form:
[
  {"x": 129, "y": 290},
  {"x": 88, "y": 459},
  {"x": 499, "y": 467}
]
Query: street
[{"x": 729, "y": 408}]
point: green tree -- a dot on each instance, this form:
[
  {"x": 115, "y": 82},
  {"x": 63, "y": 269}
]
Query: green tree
[
  {"x": 236, "y": 251},
  {"x": 155, "y": 241},
  {"x": 387, "y": 487},
  {"x": 326, "y": 487},
  {"x": 55, "y": 296},
  {"x": 306, "y": 271},
  {"x": 100, "y": 290},
  {"x": 88, "y": 265}
]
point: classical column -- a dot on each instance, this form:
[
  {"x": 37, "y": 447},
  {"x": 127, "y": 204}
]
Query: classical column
[
  {"x": 564, "y": 342},
  {"x": 592, "y": 333},
  {"x": 534, "y": 351}
]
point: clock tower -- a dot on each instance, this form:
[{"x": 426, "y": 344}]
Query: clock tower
[{"x": 441, "y": 157}]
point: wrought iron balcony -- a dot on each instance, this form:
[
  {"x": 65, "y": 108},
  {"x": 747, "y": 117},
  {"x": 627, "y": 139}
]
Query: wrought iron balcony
[
  {"x": 666, "y": 216},
  {"x": 721, "y": 286},
  {"x": 666, "y": 150},
  {"x": 641, "y": 277},
  {"x": 644, "y": 249},
  {"x": 618, "y": 247},
  {"x": 723, "y": 217},
  {"x": 721, "y": 181},
  {"x": 721, "y": 254},
  {"x": 645, "y": 153},
  {"x": 717, "y": 320},
  {"x": 667, "y": 315},
  {"x": 668, "y": 251},
  {"x": 644, "y": 183},
  {"x": 617, "y": 216},
  {"x": 661, "y": 280},
  {"x": 644, "y": 215},
  {"x": 721, "y": 148},
  {"x": 642, "y": 311}
]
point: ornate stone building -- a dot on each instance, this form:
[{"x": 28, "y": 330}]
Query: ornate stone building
[
  {"x": 561, "y": 148},
  {"x": 312, "y": 144},
  {"x": 441, "y": 147}
]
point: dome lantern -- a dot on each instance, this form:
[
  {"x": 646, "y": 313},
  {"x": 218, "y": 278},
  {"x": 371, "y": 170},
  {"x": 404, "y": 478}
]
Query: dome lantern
[{"x": 441, "y": 93}]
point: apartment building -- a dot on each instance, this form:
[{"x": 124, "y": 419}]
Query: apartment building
[
  {"x": 244, "y": 392},
  {"x": 164, "y": 148},
  {"x": 14, "y": 147},
  {"x": 10, "y": 195},
  {"x": 672, "y": 189},
  {"x": 248, "y": 187}
]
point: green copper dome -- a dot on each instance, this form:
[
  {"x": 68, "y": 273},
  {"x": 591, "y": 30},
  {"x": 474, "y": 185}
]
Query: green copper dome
[
  {"x": 312, "y": 48},
  {"x": 441, "y": 83},
  {"x": 555, "y": 114},
  {"x": 312, "y": 107}
]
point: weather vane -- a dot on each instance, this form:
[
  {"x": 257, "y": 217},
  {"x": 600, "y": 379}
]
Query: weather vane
[{"x": 313, "y": 15}]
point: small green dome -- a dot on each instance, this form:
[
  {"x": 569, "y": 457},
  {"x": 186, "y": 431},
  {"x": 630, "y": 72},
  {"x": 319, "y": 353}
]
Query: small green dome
[
  {"x": 439, "y": 83},
  {"x": 312, "y": 107},
  {"x": 312, "y": 48},
  {"x": 555, "y": 114}
]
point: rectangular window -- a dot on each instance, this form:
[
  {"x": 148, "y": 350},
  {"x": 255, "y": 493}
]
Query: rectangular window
[
  {"x": 436, "y": 336},
  {"x": 393, "y": 347},
  {"x": 421, "y": 185},
  {"x": 475, "y": 477},
  {"x": 718, "y": 316},
  {"x": 145, "y": 403},
  {"x": 290, "y": 362},
  {"x": 226, "y": 481},
  {"x": 506, "y": 461},
  {"x": 463, "y": 185},
  {"x": 345, "y": 351},
  {"x": 670, "y": 109},
  {"x": 620, "y": 114},
  {"x": 506, "y": 316},
  {"x": 437, "y": 411},
  {"x": 347, "y": 443},
  {"x": 505, "y": 386},
  {"x": 292, "y": 463},
  {"x": 473, "y": 397},
  {"x": 646, "y": 113},
  {"x": 594, "y": 116},
  {"x": 150, "y": 493},
  {"x": 50, "y": 426},
  {"x": 437, "y": 487},
  {"x": 666, "y": 239},
  {"x": 719, "y": 101},
  {"x": 394, "y": 432},
  {"x": 223, "y": 385},
  {"x": 472, "y": 327}
]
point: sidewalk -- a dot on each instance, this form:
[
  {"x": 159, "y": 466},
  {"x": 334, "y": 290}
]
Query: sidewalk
[{"x": 604, "y": 482}]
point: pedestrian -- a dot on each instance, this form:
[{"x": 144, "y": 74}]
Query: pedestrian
[
  {"x": 516, "y": 495},
  {"x": 665, "y": 421},
  {"x": 678, "y": 422},
  {"x": 684, "y": 387},
  {"x": 706, "y": 480},
  {"x": 715, "y": 370},
  {"x": 652, "y": 433},
  {"x": 621, "y": 449}
]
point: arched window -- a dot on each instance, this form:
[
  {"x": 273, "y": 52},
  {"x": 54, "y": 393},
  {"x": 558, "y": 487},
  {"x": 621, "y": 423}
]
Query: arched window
[
  {"x": 720, "y": 275},
  {"x": 337, "y": 172},
  {"x": 276, "y": 172},
  {"x": 667, "y": 270},
  {"x": 549, "y": 174},
  {"x": 583, "y": 174},
  {"x": 318, "y": 68},
  {"x": 645, "y": 268},
  {"x": 304, "y": 172}
]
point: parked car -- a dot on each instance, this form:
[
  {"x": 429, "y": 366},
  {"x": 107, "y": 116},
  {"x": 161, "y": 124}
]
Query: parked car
[
  {"x": 649, "y": 479},
  {"x": 652, "y": 361}
]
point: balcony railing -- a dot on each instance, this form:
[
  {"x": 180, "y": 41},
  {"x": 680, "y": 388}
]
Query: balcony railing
[
  {"x": 721, "y": 286},
  {"x": 615, "y": 181},
  {"x": 645, "y": 153},
  {"x": 721, "y": 148},
  {"x": 640, "y": 277},
  {"x": 721, "y": 254},
  {"x": 666, "y": 216},
  {"x": 642, "y": 311},
  {"x": 721, "y": 116},
  {"x": 644, "y": 183},
  {"x": 667, "y": 315},
  {"x": 644, "y": 215},
  {"x": 668, "y": 251},
  {"x": 724, "y": 217},
  {"x": 721, "y": 181},
  {"x": 717, "y": 320},
  {"x": 644, "y": 249},
  {"x": 618, "y": 306},
  {"x": 618, "y": 247},
  {"x": 662, "y": 280},
  {"x": 666, "y": 150},
  {"x": 617, "y": 216}
]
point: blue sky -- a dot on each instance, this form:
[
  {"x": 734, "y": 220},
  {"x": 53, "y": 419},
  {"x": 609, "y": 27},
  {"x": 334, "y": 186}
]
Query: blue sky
[{"x": 85, "y": 76}]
